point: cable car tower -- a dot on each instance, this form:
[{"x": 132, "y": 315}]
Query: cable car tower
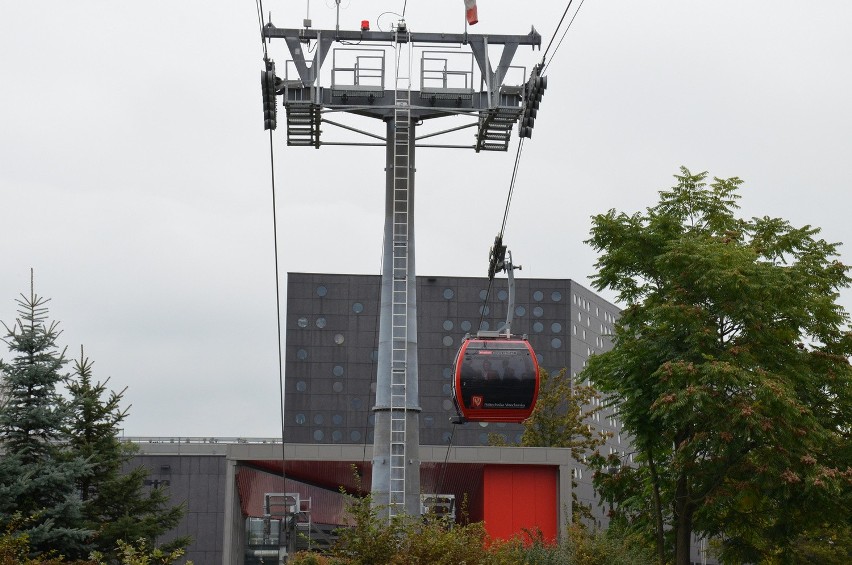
[{"x": 358, "y": 86}]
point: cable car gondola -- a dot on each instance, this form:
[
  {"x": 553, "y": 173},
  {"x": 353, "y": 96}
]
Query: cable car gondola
[
  {"x": 496, "y": 374},
  {"x": 496, "y": 378}
]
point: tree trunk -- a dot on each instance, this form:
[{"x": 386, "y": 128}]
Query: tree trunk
[
  {"x": 658, "y": 508},
  {"x": 683, "y": 510}
]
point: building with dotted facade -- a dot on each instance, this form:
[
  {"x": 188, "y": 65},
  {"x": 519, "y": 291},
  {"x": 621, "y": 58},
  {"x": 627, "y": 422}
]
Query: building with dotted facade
[{"x": 332, "y": 339}]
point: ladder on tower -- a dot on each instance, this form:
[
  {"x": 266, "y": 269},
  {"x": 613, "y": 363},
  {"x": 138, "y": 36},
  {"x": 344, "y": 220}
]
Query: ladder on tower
[{"x": 401, "y": 209}]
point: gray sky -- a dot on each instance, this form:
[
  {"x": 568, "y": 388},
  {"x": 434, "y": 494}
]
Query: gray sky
[{"x": 134, "y": 170}]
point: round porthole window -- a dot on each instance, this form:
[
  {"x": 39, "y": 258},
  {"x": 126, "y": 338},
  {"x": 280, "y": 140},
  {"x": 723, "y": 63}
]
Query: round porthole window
[
  {"x": 538, "y": 296},
  {"x": 357, "y": 307},
  {"x": 556, "y": 296},
  {"x": 321, "y": 291},
  {"x": 338, "y": 339},
  {"x": 302, "y": 322},
  {"x": 321, "y": 323},
  {"x": 448, "y": 325},
  {"x": 448, "y": 293},
  {"x": 337, "y": 371}
]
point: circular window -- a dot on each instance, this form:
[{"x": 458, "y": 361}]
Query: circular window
[
  {"x": 520, "y": 311},
  {"x": 447, "y": 372},
  {"x": 484, "y": 326},
  {"x": 502, "y": 295},
  {"x": 321, "y": 290},
  {"x": 447, "y": 389},
  {"x": 338, "y": 370},
  {"x": 483, "y": 294},
  {"x": 337, "y": 419},
  {"x": 301, "y": 386},
  {"x": 483, "y": 424},
  {"x": 538, "y": 311},
  {"x": 301, "y": 355},
  {"x": 321, "y": 322},
  {"x": 538, "y": 327},
  {"x": 556, "y": 296},
  {"x": 318, "y": 419},
  {"x": 355, "y": 435},
  {"x": 447, "y": 341},
  {"x": 447, "y": 404},
  {"x": 428, "y": 421},
  {"x": 357, "y": 307},
  {"x": 337, "y": 386},
  {"x": 374, "y": 356},
  {"x": 540, "y": 358},
  {"x": 302, "y": 322},
  {"x": 465, "y": 326},
  {"x": 356, "y": 403},
  {"x": 338, "y": 339},
  {"x": 484, "y": 310},
  {"x": 538, "y": 296},
  {"x": 501, "y": 326},
  {"x": 448, "y": 293},
  {"x": 483, "y": 438},
  {"x": 555, "y": 343},
  {"x": 300, "y": 419},
  {"x": 318, "y": 435},
  {"x": 556, "y": 327},
  {"x": 448, "y": 325},
  {"x": 446, "y": 436}
]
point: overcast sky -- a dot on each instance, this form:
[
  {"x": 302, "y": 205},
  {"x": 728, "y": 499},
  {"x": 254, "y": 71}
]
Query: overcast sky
[{"x": 134, "y": 170}]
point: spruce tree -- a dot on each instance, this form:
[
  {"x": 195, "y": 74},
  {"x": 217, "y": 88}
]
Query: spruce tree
[
  {"x": 117, "y": 504},
  {"x": 38, "y": 477}
]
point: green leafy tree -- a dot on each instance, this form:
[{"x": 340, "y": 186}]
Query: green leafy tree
[
  {"x": 730, "y": 369},
  {"x": 117, "y": 504},
  {"x": 38, "y": 476},
  {"x": 561, "y": 418}
]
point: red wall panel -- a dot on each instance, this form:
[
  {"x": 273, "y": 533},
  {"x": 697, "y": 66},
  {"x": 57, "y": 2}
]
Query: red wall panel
[{"x": 518, "y": 497}]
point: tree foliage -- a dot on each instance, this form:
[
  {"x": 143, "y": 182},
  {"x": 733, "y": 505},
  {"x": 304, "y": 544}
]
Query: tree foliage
[
  {"x": 37, "y": 476},
  {"x": 66, "y": 483},
  {"x": 730, "y": 370},
  {"x": 117, "y": 505}
]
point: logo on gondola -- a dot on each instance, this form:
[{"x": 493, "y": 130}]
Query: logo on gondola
[{"x": 476, "y": 401}]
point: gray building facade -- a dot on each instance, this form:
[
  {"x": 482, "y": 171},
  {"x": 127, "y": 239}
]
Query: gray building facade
[{"x": 331, "y": 352}]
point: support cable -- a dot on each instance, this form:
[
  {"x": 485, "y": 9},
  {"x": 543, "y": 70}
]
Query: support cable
[
  {"x": 565, "y": 13},
  {"x": 563, "y": 35},
  {"x": 446, "y": 458},
  {"x": 259, "y": 6}
]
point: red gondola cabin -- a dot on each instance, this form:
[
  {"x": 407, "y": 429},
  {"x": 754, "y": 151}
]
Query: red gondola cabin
[{"x": 496, "y": 379}]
